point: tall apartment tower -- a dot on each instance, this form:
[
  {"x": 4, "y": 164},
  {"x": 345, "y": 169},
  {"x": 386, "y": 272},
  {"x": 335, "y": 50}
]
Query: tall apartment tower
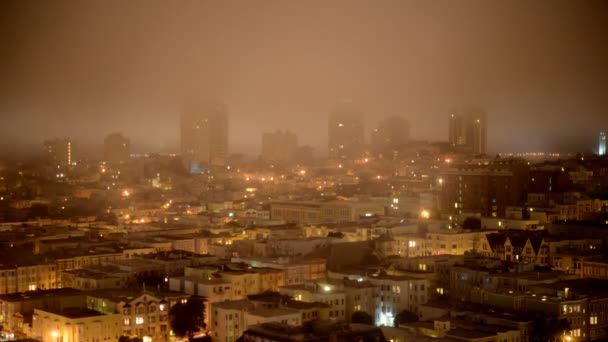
[
  {"x": 390, "y": 136},
  {"x": 279, "y": 146},
  {"x": 467, "y": 130},
  {"x": 204, "y": 135},
  {"x": 116, "y": 148},
  {"x": 59, "y": 152},
  {"x": 602, "y": 145},
  {"x": 346, "y": 132}
]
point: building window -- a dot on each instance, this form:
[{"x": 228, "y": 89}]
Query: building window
[
  {"x": 593, "y": 320},
  {"x": 127, "y": 321},
  {"x": 139, "y": 320}
]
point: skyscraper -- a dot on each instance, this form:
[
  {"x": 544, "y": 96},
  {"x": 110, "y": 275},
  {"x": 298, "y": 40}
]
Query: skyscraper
[
  {"x": 467, "y": 130},
  {"x": 346, "y": 132},
  {"x": 59, "y": 152},
  {"x": 279, "y": 146},
  {"x": 204, "y": 135},
  {"x": 117, "y": 148},
  {"x": 602, "y": 145},
  {"x": 390, "y": 136}
]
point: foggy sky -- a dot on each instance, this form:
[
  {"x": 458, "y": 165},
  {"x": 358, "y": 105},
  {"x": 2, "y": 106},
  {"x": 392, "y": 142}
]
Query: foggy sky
[{"x": 84, "y": 69}]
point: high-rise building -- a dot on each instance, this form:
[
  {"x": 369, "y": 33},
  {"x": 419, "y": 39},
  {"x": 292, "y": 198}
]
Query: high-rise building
[
  {"x": 346, "y": 132},
  {"x": 59, "y": 152},
  {"x": 204, "y": 135},
  {"x": 279, "y": 146},
  {"x": 116, "y": 148},
  {"x": 467, "y": 131},
  {"x": 602, "y": 145},
  {"x": 390, "y": 136}
]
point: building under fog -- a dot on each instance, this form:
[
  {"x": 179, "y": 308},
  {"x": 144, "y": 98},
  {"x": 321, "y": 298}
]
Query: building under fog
[
  {"x": 59, "y": 151},
  {"x": 279, "y": 146},
  {"x": 204, "y": 135},
  {"x": 389, "y": 137},
  {"x": 346, "y": 132},
  {"x": 468, "y": 130},
  {"x": 116, "y": 148}
]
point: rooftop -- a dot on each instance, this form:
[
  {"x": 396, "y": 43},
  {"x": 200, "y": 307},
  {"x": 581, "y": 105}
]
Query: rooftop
[
  {"x": 34, "y": 295},
  {"x": 74, "y": 313}
]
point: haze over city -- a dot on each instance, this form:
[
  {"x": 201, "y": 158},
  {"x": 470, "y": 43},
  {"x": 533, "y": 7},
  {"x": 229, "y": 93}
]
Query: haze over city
[
  {"x": 303, "y": 171},
  {"x": 87, "y": 68}
]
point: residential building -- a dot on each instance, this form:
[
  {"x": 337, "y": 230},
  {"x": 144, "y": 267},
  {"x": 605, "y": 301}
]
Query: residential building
[{"x": 76, "y": 324}]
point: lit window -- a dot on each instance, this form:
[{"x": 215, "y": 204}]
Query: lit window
[
  {"x": 127, "y": 321},
  {"x": 139, "y": 320},
  {"x": 161, "y": 307},
  {"x": 593, "y": 320}
]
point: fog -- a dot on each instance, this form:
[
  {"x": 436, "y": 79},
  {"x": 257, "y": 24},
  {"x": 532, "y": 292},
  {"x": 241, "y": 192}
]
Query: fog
[{"x": 84, "y": 69}]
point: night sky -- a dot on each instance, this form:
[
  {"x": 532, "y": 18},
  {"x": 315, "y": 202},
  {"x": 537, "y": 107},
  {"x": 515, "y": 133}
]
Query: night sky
[{"x": 87, "y": 68}]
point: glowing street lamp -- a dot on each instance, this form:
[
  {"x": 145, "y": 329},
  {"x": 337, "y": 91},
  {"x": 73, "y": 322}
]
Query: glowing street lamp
[{"x": 425, "y": 214}]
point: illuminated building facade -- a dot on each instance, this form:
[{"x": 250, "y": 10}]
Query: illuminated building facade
[
  {"x": 59, "y": 151},
  {"x": 467, "y": 130},
  {"x": 486, "y": 190},
  {"x": 204, "y": 135},
  {"x": 279, "y": 146},
  {"x": 142, "y": 315},
  {"x": 346, "y": 132},
  {"x": 602, "y": 144},
  {"x": 76, "y": 324},
  {"x": 116, "y": 148}
]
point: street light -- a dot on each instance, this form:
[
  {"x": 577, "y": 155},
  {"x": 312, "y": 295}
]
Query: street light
[
  {"x": 425, "y": 214},
  {"x": 55, "y": 335}
]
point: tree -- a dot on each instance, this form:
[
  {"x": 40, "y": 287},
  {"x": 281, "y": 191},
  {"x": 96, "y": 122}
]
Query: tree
[
  {"x": 405, "y": 316},
  {"x": 472, "y": 223},
  {"x": 362, "y": 317},
  {"x": 188, "y": 318}
]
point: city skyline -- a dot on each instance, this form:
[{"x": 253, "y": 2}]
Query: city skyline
[
  {"x": 271, "y": 69},
  {"x": 303, "y": 171}
]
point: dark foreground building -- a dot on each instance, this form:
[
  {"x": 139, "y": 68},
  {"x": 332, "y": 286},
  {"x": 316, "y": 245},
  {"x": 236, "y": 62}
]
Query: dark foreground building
[{"x": 317, "y": 332}]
